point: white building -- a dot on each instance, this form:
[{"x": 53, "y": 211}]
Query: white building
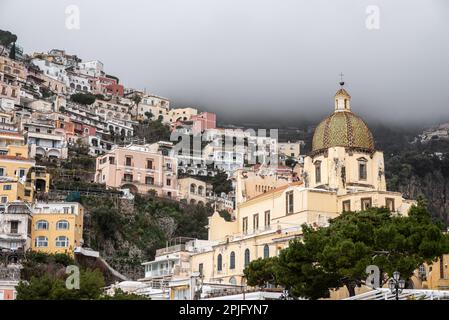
[
  {"x": 15, "y": 226},
  {"x": 44, "y": 141},
  {"x": 52, "y": 70},
  {"x": 92, "y": 68},
  {"x": 78, "y": 82}
]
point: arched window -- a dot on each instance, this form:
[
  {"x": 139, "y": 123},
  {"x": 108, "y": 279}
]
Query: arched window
[
  {"x": 200, "y": 190},
  {"x": 62, "y": 225},
  {"x": 41, "y": 242},
  {"x": 42, "y": 225},
  {"x": 233, "y": 280},
  {"x": 232, "y": 260},
  {"x": 219, "y": 262},
  {"x": 318, "y": 172},
  {"x": 266, "y": 251},
  {"x": 62, "y": 242},
  {"x": 192, "y": 188},
  {"x": 247, "y": 257}
]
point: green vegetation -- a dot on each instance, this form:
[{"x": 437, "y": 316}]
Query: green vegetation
[
  {"x": 131, "y": 233},
  {"x": 83, "y": 98},
  {"x": 49, "y": 287},
  {"x": 136, "y": 99},
  {"x": 6, "y": 38},
  {"x": 152, "y": 131},
  {"x": 337, "y": 256},
  {"x": 221, "y": 183},
  {"x": 12, "y": 52},
  {"x": 43, "y": 278}
]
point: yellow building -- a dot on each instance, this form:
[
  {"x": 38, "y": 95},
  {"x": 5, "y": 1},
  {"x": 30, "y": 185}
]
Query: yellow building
[
  {"x": 343, "y": 172},
  {"x": 57, "y": 227},
  {"x": 19, "y": 176}
]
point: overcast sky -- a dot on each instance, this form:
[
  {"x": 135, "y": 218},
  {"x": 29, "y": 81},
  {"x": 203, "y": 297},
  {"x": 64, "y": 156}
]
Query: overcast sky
[{"x": 254, "y": 59}]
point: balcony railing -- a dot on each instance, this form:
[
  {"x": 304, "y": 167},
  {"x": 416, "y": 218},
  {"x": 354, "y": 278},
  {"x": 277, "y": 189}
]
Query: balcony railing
[{"x": 175, "y": 248}]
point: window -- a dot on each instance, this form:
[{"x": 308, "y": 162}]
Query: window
[
  {"x": 2, "y": 172},
  {"x": 111, "y": 160},
  {"x": 14, "y": 227},
  {"x": 7, "y": 187},
  {"x": 62, "y": 225},
  {"x": 362, "y": 169},
  {"x": 149, "y": 164},
  {"x": 66, "y": 210},
  {"x": 318, "y": 172},
  {"x": 219, "y": 262},
  {"x": 201, "y": 268},
  {"x": 128, "y": 161},
  {"x": 41, "y": 241},
  {"x": 267, "y": 219},
  {"x": 128, "y": 177},
  {"x": 289, "y": 202},
  {"x": 347, "y": 206},
  {"x": 366, "y": 203},
  {"x": 389, "y": 203},
  {"x": 232, "y": 260},
  {"x": 4, "y": 199},
  {"x": 149, "y": 180},
  {"x": 247, "y": 257},
  {"x": 255, "y": 222},
  {"x": 42, "y": 225},
  {"x": 21, "y": 173},
  {"x": 168, "y": 182},
  {"x": 266, "y": 251},
  {"x": 62, "y": 242},
  {"x": 245, "y": 225}
]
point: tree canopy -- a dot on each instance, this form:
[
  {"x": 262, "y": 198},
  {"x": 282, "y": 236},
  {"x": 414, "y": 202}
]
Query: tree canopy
[
  {"x": 337, "y": 256},
  {"x": 48, "y": 287},
  {"x": 83, "y": 98}
]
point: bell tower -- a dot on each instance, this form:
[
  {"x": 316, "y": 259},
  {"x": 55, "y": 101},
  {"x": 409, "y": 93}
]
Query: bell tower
[{"x": 342, "y": 98}]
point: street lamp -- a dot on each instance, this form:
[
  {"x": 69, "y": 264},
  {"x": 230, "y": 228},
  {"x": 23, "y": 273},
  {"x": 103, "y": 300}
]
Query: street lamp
[{"x": 396, "y": 284}]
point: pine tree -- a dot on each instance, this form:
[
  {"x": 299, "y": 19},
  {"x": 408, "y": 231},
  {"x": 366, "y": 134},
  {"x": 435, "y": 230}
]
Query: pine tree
[{"x": 12, "y": 52}]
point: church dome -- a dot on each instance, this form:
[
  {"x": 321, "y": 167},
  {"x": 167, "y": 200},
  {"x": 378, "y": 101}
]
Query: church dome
[{"x": 342, "y": 128}]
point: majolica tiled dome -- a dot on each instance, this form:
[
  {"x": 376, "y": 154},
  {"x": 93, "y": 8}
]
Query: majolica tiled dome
[{"x": 342, "y": 128}]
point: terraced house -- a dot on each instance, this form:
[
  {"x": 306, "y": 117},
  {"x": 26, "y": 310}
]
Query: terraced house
[
  {"x": 140, "y": 168},
  {"x": 57, "y": 227}
]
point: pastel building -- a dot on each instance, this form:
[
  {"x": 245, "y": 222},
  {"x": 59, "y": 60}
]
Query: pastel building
[
  {"x": 20, "y": 178},
  {"x": 194, "y": 191},
  {"x": 15, "y": 226},
  {"x": 44, "y": 141},
  {"x": 140, "y": 168},
  {"x": 290, "y": 149},
  {"x": 57, "y": 227}
]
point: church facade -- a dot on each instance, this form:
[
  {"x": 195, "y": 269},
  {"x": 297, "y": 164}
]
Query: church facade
[{"x": 343, "y": 172}]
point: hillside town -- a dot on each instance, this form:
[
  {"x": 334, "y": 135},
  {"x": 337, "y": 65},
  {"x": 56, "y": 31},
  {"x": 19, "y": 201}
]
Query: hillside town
[{"x": 54, "y": 107}]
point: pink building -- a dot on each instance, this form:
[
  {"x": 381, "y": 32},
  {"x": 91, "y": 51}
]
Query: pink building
[
  {"x": 105, "y": 85},
  {"x": 203, "y": 121},
  {"x": 83, "y": 129},
  {"x": 140, "y": 168}
]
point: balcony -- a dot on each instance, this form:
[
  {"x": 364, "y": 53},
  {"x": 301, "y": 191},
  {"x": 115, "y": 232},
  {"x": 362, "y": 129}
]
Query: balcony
[{"x": 175, "y": 248}]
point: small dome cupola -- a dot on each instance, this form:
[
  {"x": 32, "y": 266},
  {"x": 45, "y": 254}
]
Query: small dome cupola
[
  {"x": 342, "y": 100},
  {"x": 342, "y": 97}
]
